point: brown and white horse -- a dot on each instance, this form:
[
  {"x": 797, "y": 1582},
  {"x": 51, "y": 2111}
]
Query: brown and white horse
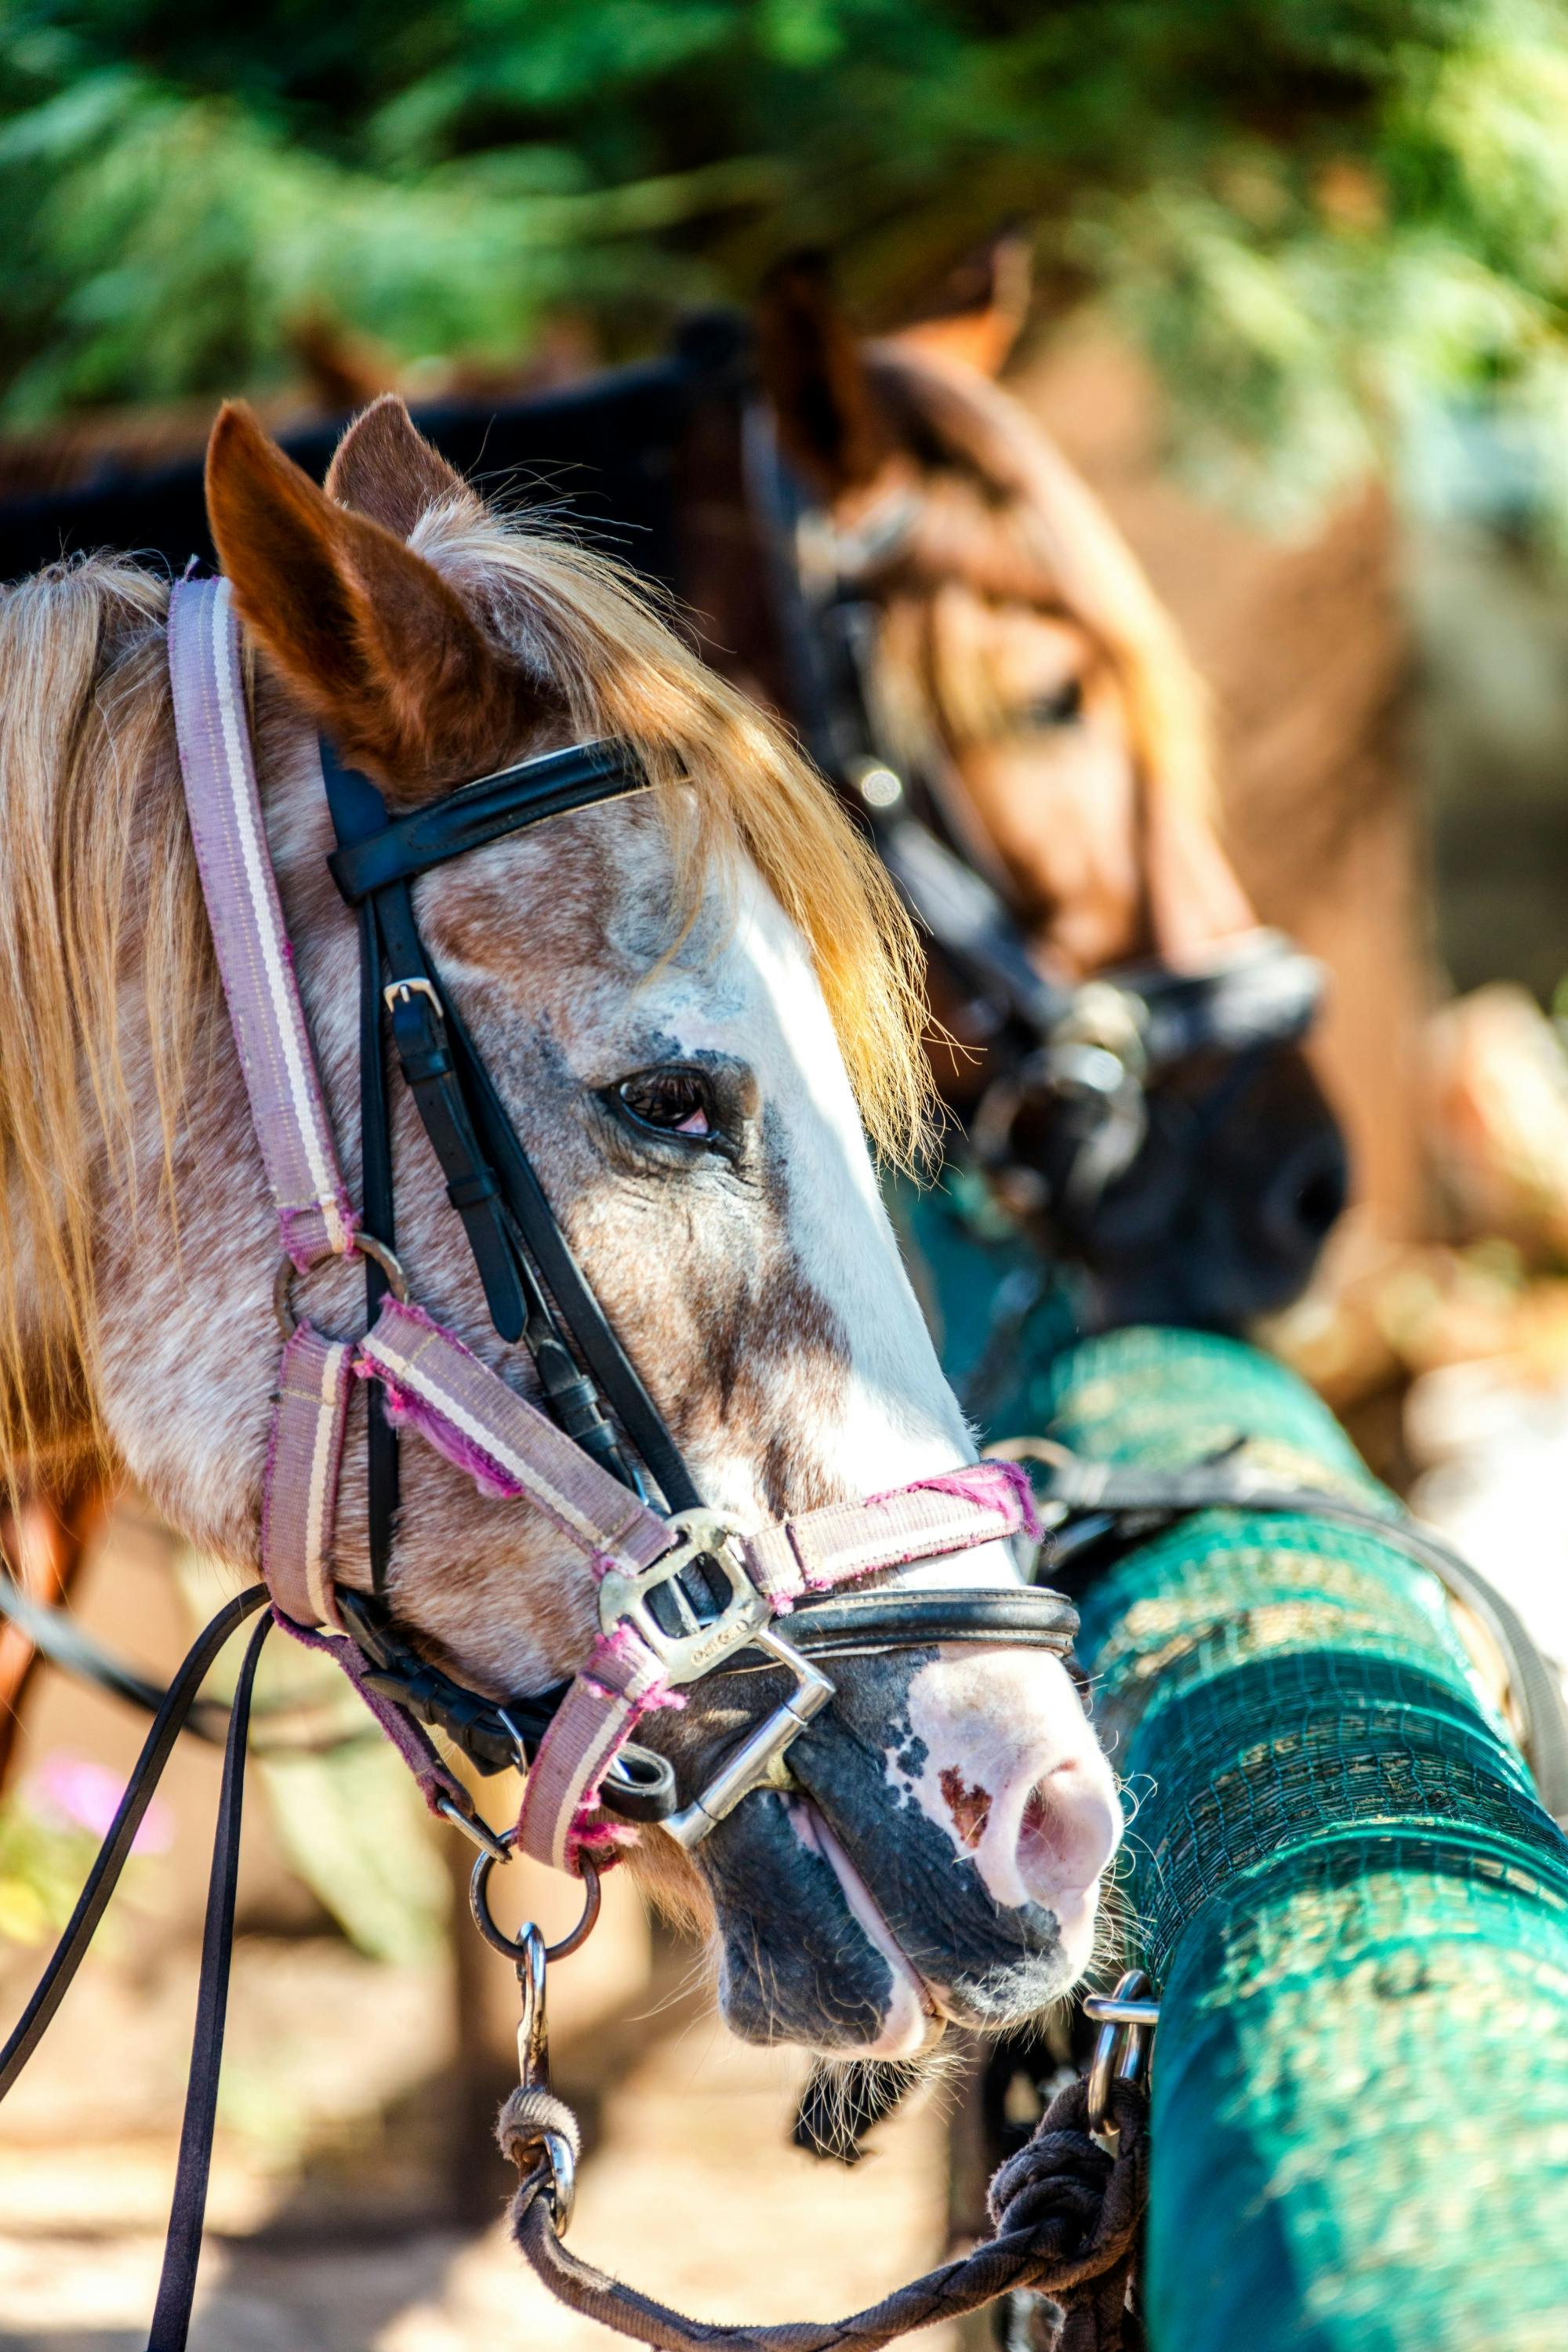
[
  {"x": 1020, "y": 655},
  {"x": 695, "y": 1005}
]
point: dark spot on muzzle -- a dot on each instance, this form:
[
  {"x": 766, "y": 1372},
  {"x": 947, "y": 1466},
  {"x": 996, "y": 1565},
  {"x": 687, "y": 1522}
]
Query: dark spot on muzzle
[
  {"x": 796, "y": 1964},
  {"x": 990, "y": 1963}
]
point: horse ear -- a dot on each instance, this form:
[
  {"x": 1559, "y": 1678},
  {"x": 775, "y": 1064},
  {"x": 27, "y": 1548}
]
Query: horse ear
[
  {"x": 343, "y": 371},
  {"x": 829, "y": 420},
  {"x": 382, "y": 653},
  {"x": 383, "y": 468},
  {"x": 982, "y": 309}
]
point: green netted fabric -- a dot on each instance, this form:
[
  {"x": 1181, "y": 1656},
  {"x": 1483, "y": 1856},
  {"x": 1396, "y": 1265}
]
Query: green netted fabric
[{"x": 1355, "y": 1911}]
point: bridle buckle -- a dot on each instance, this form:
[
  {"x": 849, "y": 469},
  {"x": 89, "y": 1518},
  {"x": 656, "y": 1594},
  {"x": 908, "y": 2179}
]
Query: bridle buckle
[{"x": 687, "y": 1641}]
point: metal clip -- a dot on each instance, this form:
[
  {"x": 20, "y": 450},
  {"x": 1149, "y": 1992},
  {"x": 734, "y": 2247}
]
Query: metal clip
[
  {"x": 1126, "y": 2018},
  {"x": 758, "y": 1759},
  {"x": 490, "y": 1843},
  {"x": 698, "y": 1646},
  {"x": 533, "y": 2073}
]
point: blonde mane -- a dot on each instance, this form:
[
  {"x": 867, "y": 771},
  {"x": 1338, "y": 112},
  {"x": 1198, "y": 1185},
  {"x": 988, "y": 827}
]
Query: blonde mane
[
  {"x": 98, "y": 897},
  {"x": 1047, "y": 523}
]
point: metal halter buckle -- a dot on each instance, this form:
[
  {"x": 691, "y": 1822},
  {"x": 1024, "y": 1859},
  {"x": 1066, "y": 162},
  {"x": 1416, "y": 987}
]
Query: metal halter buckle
[
  {"x": 660, "y": 1610},
  {"x": 687, "y": 1645}
]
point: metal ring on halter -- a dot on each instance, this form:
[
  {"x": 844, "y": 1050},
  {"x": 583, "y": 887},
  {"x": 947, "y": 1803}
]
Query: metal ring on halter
[
  {"x": 365, "y": 1245},
  {"x": 518, "y": 1948},
  {"x": 1126, "y": 2018}
]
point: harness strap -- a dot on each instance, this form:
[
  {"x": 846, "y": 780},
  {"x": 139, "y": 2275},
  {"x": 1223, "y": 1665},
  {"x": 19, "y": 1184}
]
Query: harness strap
[
  {"x": 357, "y": 810},
  {"x": 253, "y": 955},
  {"x": 419, "y": 1034},
  {"x": 187, "y": 2210},
  {"x": 436, "y": 1385},
  {"x": 1112, "y": 1504},
  {"x": 605, "y": 1701},
  {"x": 112, "y": 1856},
  {"x": 845, "y": 1541},
  {"x": 535, "y": 1221},
  {"x": 300, "y": 1489}
]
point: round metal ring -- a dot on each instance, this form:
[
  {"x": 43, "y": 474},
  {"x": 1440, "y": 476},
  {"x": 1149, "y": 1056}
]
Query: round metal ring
[
  {"x": 365, "y": 1245},
  {"x": 1120, "y": 2047},
  {"x": 518, "y": 1948}
]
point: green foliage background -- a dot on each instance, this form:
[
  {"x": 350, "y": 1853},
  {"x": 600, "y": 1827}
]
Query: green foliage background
[{"x": 1315, "y": 214}]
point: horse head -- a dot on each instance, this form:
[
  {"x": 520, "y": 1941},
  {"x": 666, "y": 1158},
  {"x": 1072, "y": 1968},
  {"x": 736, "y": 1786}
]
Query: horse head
[
  {"x": 694, "y": 1002},
  {"x": 1014, "y": 664}
]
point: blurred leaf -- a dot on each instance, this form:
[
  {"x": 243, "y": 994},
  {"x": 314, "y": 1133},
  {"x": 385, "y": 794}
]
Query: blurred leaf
[{"x": 1317, "y": 216}]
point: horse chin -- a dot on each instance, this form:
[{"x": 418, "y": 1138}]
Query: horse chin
[
  {"x": 805, "y": 1955},
  {"x": 915, "y": 2018}
]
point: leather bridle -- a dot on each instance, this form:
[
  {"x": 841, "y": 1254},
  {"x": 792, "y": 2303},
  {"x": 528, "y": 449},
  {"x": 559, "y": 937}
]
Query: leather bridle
[
  {"x": 683, "y": 1591},
  {"x": 1089, "y": 1050}
]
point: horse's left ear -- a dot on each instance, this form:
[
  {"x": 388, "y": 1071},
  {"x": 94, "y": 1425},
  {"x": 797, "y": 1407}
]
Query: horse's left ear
[
  {"x": 982, "y": 309},
  {"x": 829, "y": 420},
  {"x": 383, "y": 468},
  {"x": 380, "y": 648}
]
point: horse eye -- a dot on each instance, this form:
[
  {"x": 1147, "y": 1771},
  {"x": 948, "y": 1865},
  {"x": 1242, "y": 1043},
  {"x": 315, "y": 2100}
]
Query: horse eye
[
  {"x": 672, "y": 1102},
  {"x": 1060, "y": 709}
]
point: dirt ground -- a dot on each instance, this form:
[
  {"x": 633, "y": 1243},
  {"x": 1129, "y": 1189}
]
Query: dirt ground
[{"x": 331, "y": 2222}]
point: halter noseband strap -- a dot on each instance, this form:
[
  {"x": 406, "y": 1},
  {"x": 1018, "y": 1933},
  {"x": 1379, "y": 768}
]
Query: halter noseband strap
[{"x": 661, "y": 1560}]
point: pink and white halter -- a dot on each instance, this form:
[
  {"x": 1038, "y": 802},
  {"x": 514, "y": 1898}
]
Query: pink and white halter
[{"x": 648, "y": 1647}]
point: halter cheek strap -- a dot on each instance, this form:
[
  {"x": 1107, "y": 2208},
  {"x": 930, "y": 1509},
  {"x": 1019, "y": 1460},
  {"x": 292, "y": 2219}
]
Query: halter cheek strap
[
  {"x": 253, "y": 952},
  {"x": 432, "y": 1384}
]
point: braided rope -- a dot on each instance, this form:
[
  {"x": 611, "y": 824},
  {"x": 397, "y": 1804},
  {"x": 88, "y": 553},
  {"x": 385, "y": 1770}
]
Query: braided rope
[{"x": 1064, "y": 2212}]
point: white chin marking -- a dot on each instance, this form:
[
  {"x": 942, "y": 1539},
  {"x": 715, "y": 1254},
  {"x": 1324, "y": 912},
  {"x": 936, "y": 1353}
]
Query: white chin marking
[{"x": 910, "y": 2024}]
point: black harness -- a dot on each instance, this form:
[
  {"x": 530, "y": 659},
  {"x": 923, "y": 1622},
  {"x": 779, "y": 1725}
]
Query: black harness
[
  {"x": 1086, "y": 1054},
  {"x": 534, "y": 1289}
]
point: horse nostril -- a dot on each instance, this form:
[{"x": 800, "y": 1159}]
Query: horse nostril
[
  {"x": 1306, "y": 1195},
  {"x": 1067, "y": 1834}
]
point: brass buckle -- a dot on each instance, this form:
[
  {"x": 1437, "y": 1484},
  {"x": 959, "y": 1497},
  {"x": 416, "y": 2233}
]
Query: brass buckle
[
  {"x": 697, "y": 1648},
  {"x": 405, "y": 989}
]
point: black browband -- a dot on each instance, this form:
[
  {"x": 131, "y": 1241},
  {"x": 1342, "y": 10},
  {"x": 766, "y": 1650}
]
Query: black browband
[{"x": 489, "y": 809}]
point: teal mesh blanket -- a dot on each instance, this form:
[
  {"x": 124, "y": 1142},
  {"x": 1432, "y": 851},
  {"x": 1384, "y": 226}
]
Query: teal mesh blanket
[{"x": 1354, "y": 1910}]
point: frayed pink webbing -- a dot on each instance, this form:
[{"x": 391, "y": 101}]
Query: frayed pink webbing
[
  {"x": 506, "y": 1445},
  {"x": 1001, "y": 1486},
  {"x": 254, "y": 956},
  {"x": 621, "y": 1682},
  {"x": 985, "y": 1502}
]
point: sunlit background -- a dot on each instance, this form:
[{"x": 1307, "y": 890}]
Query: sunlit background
[{"x": 1292, "y": 285}]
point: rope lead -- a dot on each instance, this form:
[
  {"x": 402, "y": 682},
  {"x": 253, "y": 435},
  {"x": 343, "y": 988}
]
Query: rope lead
[{"x": 1065, "y": 2213}]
